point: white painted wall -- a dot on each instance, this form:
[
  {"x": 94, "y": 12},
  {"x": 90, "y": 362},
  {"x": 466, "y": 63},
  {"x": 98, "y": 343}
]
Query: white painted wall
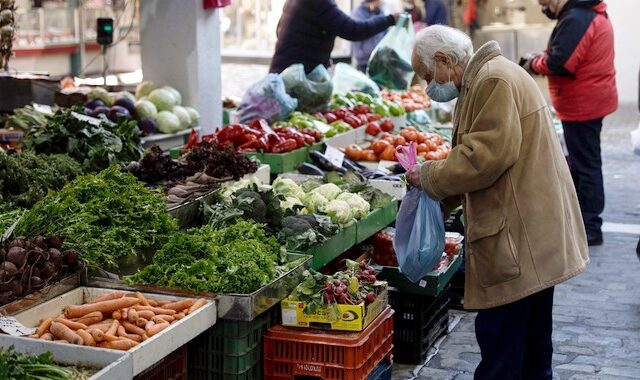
[{"x": 626, "y": 28}]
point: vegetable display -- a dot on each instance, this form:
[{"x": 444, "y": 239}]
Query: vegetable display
[
  {"x": 25, "y": 119},
  {"x": 115, "y": 320},
  {"x": 26, "y": 176},
  {"x": 382, "y": 107},
  {"x": 240, "y": 258},
  {"x": 317, "y": 121},
  {"x": 96, "y": 147},
  {"x": 430, "y": 146},
  {"x": 258, "y": 136},
  {"x": 412, "y": 100},
  {"x": 357, "y": 284},
  {"x": 108, "y": 216},
  {"x": 28, "y": 265},
  {"x": 17, "y": 366}
]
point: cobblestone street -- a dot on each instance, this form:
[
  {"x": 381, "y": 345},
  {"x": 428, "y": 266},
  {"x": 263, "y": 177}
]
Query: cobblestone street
[{"x": 597, "y": 314}]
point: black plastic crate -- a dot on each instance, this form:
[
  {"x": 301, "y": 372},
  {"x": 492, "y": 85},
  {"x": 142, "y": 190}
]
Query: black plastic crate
[
  {"x": 231, "y": 350},
  {"x": 383, "y": 371},
  {"x": 418, "y": 323}
]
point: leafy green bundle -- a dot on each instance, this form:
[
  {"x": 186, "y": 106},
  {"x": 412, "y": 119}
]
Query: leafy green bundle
[
  {"x": 107, "y": 216},
  {"x": 26, "y": 177},
  {"x": 96, "y": 147},
  {"x": 17, "y": 366},
  {"x": 240, "y": 258}
]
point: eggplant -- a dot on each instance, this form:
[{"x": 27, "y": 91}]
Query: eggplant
[
  {"x": 349, "y": 164},
  {"x": 374, "y": 174},
  {"x": 324, "y": 164},
  {"x": 310, "y": 169}
]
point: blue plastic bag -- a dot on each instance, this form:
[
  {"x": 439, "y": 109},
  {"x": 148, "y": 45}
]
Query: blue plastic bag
[
  {"x": 266, "y": 99},
  {"x": 419, "y": 239}
]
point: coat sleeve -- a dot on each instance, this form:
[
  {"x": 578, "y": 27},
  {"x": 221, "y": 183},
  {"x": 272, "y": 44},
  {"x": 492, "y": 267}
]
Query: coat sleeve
[
  {"x": 340, "y": 24},
  {"x": 489, "y": 148},
  {"x": 567, "y": 48}
]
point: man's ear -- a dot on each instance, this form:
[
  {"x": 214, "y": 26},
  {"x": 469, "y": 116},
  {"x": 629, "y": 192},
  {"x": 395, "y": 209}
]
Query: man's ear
[{"x": 444, "y": 58}]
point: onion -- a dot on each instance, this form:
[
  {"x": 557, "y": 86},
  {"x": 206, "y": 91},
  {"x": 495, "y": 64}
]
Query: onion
[{"x": 17, "y": 255}]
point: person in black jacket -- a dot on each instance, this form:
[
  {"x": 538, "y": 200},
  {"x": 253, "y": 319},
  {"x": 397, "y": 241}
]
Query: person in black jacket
[{"x": 307, "y": 31}]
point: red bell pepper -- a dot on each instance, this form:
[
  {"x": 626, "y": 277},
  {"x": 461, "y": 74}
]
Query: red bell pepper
[
  {"x": 353, "y": 121},
  {"x": 230, "y": 133},
  {"x": 259, "y": 125},
  {"x": 285, "y": 146},
  {"x": 330, "y": 117},
  {"x": 193, "y": 139}
]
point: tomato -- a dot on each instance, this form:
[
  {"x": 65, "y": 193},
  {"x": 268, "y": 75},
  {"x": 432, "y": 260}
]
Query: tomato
[
  {"x": 388, "y": 154},
  {"x": 373, "y": 117},
  {"x": 330, "y": 117},
  {"x": 399, "y": 140},
  {"x": 423, "y": 155},
  {"x": 386, "y": 125},
  {"x": 422, "y": 148},
  {"x": 369, "y": 155},
  {"x": 384, "y": 135},
  {"x": 430, "y": 156},
  {"x": 361, "y": 109},
  {"x": 373, "y": 128},
  {"x": 354, "y": 152},
  {"x": 409, "y": 135},
  {"x": 379, "y": 146}
]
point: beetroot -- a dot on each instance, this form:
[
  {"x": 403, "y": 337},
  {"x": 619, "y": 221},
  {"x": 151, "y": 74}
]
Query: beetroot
[{"x": 17, "y": 256}]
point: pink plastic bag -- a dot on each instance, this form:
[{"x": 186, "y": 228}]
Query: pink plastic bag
[{"x": 407, "y": 156}]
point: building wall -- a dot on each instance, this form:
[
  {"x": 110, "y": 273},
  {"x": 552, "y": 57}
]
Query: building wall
[{"x": 624, "y": 17}]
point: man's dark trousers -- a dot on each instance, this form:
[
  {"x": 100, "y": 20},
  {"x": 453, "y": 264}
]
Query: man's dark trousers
[
  {"x": 585, "y": 161},
  {"x": 515, "y": 339}
]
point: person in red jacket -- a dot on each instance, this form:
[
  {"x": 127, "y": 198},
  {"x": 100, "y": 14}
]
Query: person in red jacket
[{"x": 578, "y": 62}]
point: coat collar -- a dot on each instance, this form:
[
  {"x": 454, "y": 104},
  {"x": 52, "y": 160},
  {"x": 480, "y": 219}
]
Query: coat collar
[{"x": 487, "y": 52}]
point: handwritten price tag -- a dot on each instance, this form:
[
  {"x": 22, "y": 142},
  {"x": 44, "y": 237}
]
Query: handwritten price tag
[
  {"x": 11, "y": 326},
  {"x": 334, "y": 155}
]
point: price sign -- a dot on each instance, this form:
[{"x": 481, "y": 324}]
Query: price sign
[
  {"x": 384, "y": 165},
  {"x": 334, "y": 155},
  {"x": 88, "y": 119},
  {"x": 322, "y": 127},
  {"x": 43, "y": 108},
  {"x": 11, "y": 326}
]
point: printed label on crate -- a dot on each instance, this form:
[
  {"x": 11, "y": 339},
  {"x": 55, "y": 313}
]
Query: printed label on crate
[
  {"x": 422, "y": 283},
  {"x": 11, "y": 326},
  {"x": 308, "y": 369},
  {"x": 289, "y": 317}
]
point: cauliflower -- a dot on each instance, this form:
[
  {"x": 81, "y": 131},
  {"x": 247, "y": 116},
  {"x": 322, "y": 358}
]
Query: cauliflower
[
  {"x": 287, "y": 187},
  {"x": 339, "y": 212},
  {"x": 359, "y": 206},
  {"x": 314, "y": 202},
  {"x": 328, "y": 190},
  {"x": 289, "y": 202}
]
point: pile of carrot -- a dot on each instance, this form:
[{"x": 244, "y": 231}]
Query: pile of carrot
[{"x": 115, "y": 320}]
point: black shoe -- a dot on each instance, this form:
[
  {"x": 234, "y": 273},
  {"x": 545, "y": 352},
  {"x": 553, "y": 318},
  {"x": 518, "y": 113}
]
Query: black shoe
[{"x": 594, "y": 240}]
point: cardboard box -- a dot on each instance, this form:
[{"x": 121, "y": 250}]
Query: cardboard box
[{"x": 347, "y": 317}]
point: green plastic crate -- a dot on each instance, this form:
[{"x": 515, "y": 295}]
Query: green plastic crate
[
  {"x": 282, "y": 162},
  {"x": 431, "y": 285},
  {"x": 230, "y": 349},
  {"x": 339, "y": 243},
  {"x": 375, "y": 221}
]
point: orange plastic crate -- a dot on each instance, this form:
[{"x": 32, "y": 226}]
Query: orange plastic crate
[{"x": 329, "y": 355}]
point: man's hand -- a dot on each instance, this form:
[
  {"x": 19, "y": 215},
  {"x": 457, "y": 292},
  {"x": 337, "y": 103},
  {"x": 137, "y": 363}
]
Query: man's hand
[
  {"x": 526, "y": 61},
  {"x": 413, "y": 177}
]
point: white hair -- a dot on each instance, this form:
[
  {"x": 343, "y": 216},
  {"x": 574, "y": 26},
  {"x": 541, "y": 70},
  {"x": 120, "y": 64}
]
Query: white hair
[{"x": 450, "y": 41}]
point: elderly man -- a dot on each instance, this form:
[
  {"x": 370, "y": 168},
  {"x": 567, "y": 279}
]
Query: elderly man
[{"x": 524, "y": 230}]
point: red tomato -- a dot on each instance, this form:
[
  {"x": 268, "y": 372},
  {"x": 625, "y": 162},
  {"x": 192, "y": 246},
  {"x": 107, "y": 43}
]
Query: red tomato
[
  {"x": 373, "y": 128},
  {"x": 399, "y": 141},
  {"x": 386, "y": 125}
]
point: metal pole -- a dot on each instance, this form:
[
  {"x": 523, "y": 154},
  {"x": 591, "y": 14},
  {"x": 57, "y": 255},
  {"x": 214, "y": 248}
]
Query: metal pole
[
  {"x": 104, "y": 64},
  {"x": 81, "y": 42}
]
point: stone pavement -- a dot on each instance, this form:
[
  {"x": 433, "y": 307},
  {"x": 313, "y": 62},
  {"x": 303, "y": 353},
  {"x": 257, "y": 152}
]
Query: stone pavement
[{"x": 597, "y": 314}]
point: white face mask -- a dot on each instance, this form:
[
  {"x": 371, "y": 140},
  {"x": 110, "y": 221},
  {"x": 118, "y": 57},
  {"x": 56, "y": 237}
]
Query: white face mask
[{"x": 442, "y": 92}]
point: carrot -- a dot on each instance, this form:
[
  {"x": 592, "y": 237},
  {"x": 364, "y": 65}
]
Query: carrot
[
  {"x": 155, "y": 329},
  {"x": 61, "y": 341},
  {"x": 46, "y": 336},
  {"x": 108, "y": 297},
  {"x": 72, "y": 311},
  {"x": 121, "y": 344},
  {"x": 146, "y": 314},
  {"x": 44, "y": 327},
  {"x": 163, "y": 302},
  {"x": 132, "y": 316},
  {"x": 145, "y": 336},
  {"x": 149, "y": 325},
  {"x": 86, "y": 337},
  {"x": 71, "y": 324},
  {"x": 134, "y": 337},
  {"x": 155, "y": 310},
  {"x": 179, "y": 316},
  {"x": 185, "y": 311},
  {"x": 125, "y": 314},
  {"x": 121, "y": 331},
  {"x": 111, "y": 338},
  {"x": 152, "y": 302},
  {"x": 97, "y": 335},
  {"x": 142, "y": 299},
  {"x": 114, "y": 328},
  {"x": 116, "y": 315},
  {"x": 198, "y": 304},
  {"x": 63, "y": 332},
  {"x": 141, "y": 322},
  {"x": 163, "y": 318},
  {"x": 130, "y": 327},
  {"x": 91, "y": 318},
  {"x": 179, "y": 305}
]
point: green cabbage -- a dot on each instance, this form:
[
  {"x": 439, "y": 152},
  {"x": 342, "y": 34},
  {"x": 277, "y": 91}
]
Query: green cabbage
[
  {"x": 314, "y": 202},
  {"x": 168, "y": 122},
  {"x": 339, "y": 212},
  {"x": 163, "y": 99},
  {"x": 290, "y": 202},
  {"x": 144, "y": 108},
  {"x": 183, "y": 115},
  {"x": 145, "y": 88},
  {"x": 175, "y": 93},
  {"x": 328, "y": 190},
  {"x": 359, "y": 206},
  {"x": 195, "y": 116},
  {"x": 288, "y": 188}
]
